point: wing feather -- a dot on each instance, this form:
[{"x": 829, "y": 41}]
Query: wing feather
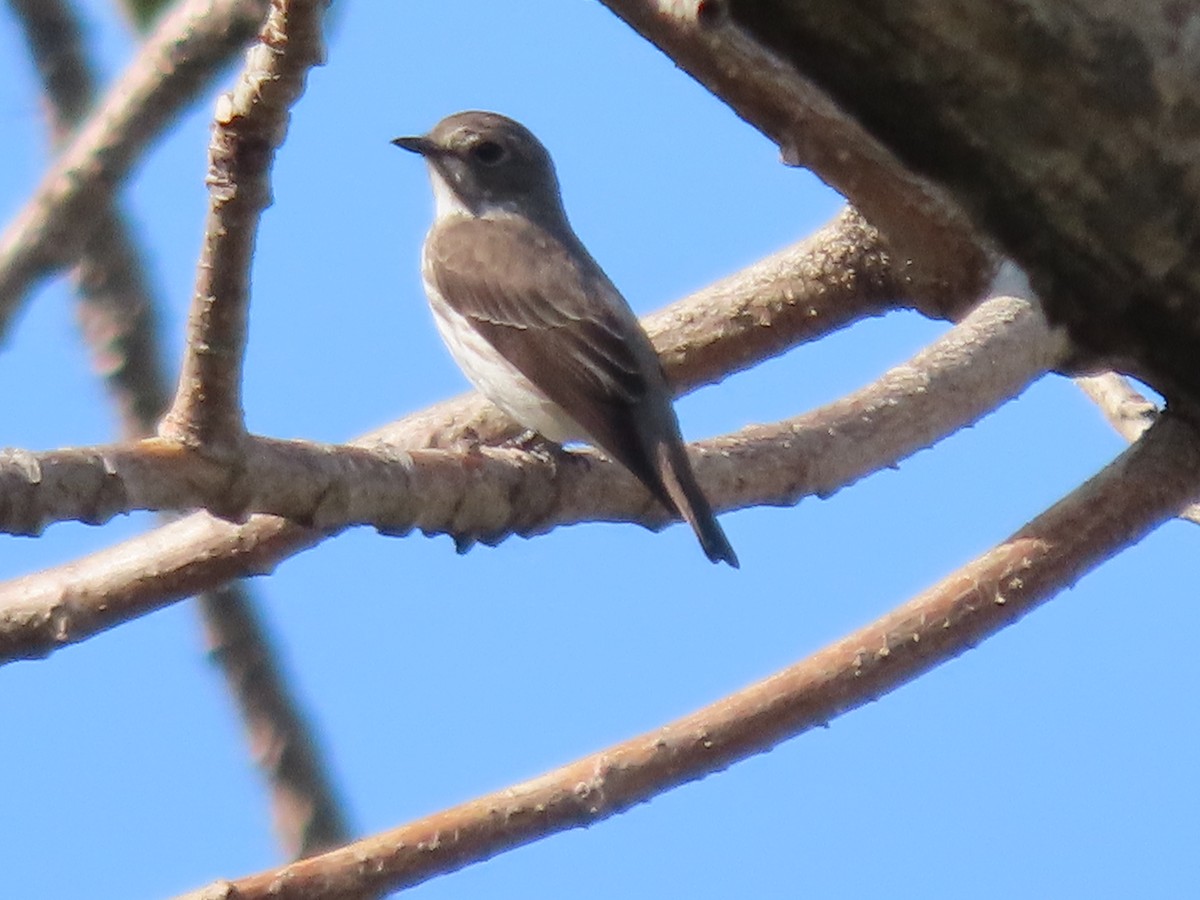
[{"x": 550, "y": 311}]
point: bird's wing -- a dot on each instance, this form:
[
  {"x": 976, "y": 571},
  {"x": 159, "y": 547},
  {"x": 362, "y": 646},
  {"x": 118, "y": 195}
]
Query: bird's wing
[{"x": 549, "y": 310}]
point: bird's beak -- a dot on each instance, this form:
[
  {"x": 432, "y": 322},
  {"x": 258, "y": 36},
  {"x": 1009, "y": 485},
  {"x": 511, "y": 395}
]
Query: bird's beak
[{"x": 421, "y": 145}]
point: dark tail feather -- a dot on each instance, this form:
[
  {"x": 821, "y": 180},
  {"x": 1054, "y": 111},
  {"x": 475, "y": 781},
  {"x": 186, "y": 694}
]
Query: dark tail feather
[{"x": 679, "y": 481}]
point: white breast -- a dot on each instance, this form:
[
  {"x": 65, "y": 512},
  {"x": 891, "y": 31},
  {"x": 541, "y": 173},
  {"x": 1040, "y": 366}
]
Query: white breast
[{"x": 498, "y": 379}]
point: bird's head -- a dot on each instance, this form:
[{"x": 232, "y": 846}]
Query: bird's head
[{"x": 483, "y": 162}]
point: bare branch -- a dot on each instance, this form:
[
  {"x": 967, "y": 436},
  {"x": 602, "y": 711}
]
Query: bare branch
[
  {"x": 251, "y": 123},
  {"x": 842, "y": 273},
  {"x": 1128, "y": 412},
  {"x": 59, "y": 608},
  {"x": 1132, "y": 496},
  {"x": 1059, "y": 128},
  {"x": 48, "y": 609},
  {"x": 330, "y": 488},
  {"x": 56, "y": 46},
  {"x": 989, "y": 357},
  {"x": 117, "y": 313},
  {"x": 946, "y": 263},
  {"x": 307, "y": 815},
  {"x": 175, "y": 64},
  {"x": 119, "y": 320}
]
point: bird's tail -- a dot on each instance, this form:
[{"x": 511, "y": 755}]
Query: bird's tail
[{"x": 679, "y": 482}]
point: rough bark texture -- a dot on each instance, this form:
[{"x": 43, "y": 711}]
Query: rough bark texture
[
  {"x": 1129, "y": 498},
  {"x": 988, "y": 358},
  {"x": 945, "y": 261},
  {"x": 1069, "y": 132},
  {"x": 251, "y": 123}
]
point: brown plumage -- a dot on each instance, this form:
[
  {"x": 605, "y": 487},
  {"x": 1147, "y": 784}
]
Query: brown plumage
[{"x": 534, "y": 321}]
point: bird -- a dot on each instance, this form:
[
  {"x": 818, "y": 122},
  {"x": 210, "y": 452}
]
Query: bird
[{"x": 534, "y": 322}]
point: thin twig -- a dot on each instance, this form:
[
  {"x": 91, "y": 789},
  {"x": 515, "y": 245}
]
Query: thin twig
[
  {"x": 308, "y": 817},
  {"x": 250, "y": 125},
  {"x": 1125, "y": 409},
  {"x": 117, "y": 311},
  {"x": 991, "y": 356},
  {"x": 174, "y": 66},
  {"x": 1140, "y": 490},
  {"x": 1128, "y": 412}
]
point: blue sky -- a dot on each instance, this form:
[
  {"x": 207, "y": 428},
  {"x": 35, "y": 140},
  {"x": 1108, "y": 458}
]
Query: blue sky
[{"x": 1054, "y": 760}]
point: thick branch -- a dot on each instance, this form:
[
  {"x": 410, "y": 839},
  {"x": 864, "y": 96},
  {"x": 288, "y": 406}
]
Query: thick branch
[
  {"x": 1067, "y": 131},
  {"x": 175, "y": 64},
  {"x": 1132, "y": 496},
  {"x": 991, "y": 356},
  {"x": 945, "y": 264},
  {"x": 251, "y": 123}
]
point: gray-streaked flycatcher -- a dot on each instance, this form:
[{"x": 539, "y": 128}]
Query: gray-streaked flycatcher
[{"x": 532, "y": 319}]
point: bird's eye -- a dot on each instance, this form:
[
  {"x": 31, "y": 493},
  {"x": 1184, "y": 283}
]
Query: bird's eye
[{"x": 488, "y": 152}]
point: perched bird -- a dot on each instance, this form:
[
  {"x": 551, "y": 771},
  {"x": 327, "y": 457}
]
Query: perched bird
[{"x": 535, "y": 323}]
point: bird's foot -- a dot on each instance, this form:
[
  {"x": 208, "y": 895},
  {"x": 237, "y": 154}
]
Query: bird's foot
[{"x": 532, "y": 442}]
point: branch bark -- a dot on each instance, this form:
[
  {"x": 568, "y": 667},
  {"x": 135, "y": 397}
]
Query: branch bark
[
  {"x": 174, "y": 66},
  {"x": 1137, "y": 492},
  {"x": 250, "y": 125},
  {"x": 1067, "y": 132},
  {"x": 988, "y": 358},
  {"x": 1128, "y": 412},
  {"x": 945, "y": 261},
  {"x": 118, "y": 315}
]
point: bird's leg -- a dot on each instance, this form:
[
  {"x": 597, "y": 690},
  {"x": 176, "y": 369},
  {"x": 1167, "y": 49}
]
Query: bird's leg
[
  {"x": 546, "y": 451},
  {"x": 532, "y": 442}
]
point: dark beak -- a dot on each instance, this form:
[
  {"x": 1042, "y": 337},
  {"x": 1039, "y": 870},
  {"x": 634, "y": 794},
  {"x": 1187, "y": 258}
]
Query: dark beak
[{"x": 421, "y": 145}]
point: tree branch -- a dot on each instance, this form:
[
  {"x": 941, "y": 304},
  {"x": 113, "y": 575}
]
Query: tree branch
[
  {"x": 1064, "y": 130},
  {"x": 1133, "y": 495},
  {"x": 988, "y": 358},
  {"x": 175, "y": 64},
  {"x": 946, "y": 263},
  {"x": 251, "y": 123},
  {"x": 116, "y": 310},
  {"x": 307, "y": 814},
  {"x": 55, "y": 45},
  {"x": 117, "y": 314},
  {"x": 1128, "y": 412},
  {"x": 842, "y": 273},
  {"x": 1125, "y": 409}
]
